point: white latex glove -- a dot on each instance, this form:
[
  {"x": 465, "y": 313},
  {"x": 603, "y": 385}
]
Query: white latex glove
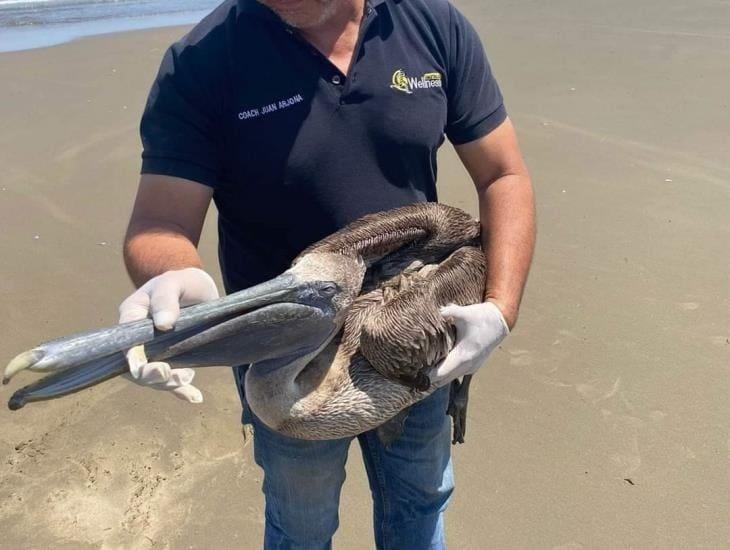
[
  {"x": 161, "y": 297},
  {"x": 479, "y": 329}
]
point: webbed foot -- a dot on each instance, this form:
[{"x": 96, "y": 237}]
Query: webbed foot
[{"x": 458, "y": 401}]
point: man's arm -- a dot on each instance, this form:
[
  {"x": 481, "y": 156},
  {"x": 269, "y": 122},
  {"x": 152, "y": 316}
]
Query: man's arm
[
  {"x": 165, "y": 226},
  {"x": 162, "y": 259},
  {"x": 507, "y": 214}
]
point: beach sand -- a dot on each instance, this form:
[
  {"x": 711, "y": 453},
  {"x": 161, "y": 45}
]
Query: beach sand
[{"x": 602, "y": 422}]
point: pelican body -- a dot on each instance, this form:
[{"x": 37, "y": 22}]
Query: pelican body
[{"x": 338, "y": 344}]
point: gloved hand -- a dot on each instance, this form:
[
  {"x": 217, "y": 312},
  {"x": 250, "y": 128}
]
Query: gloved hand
[
  {"x": 162, "y": 297},
  {"x": 479, "y": 329}
]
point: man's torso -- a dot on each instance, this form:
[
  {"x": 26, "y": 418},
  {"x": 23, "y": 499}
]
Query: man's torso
[{"x": 305, "y": 149}]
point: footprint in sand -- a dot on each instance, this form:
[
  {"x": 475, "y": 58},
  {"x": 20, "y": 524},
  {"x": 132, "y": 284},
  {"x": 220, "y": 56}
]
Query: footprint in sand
[{"x": 597, "y": 390}]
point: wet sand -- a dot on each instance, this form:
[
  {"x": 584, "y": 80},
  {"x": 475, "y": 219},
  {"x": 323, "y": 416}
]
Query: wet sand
[{"x": 602, "y": 422}]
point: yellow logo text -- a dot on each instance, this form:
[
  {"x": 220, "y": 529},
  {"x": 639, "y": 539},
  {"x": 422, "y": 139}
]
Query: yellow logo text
[{"x": 408, "y": 84}]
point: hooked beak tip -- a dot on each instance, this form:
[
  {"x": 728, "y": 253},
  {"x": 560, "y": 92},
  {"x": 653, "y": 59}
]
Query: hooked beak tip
[
  {"x": 16, "y": 402},
  {"x": 21, "y": 362}
]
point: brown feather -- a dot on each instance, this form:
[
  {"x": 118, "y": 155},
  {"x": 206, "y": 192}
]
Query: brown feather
[{"x": 419, "y": 258}]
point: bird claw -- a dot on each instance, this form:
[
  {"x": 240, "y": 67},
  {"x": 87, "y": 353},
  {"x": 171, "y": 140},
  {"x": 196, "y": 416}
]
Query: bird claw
[{"x": 422, "y": 382}]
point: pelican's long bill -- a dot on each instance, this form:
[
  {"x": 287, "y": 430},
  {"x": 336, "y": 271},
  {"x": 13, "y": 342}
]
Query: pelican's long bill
[{"x": 286, "y": 316}]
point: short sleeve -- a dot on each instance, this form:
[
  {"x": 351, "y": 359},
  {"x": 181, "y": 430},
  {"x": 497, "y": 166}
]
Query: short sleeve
[
  {"x": 475, "y": 105},
  {"x": 179, "y": 127}
]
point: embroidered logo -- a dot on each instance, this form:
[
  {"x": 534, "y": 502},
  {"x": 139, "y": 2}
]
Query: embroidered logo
[
  {"x": 408, "y": 84},
  {"x": 254, "y": 112}
]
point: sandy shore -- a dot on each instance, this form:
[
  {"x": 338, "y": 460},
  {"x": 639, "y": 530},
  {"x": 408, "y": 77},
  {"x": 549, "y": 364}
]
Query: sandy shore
[{"x": 603, "y": 421}]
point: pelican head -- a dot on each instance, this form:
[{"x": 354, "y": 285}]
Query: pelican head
[{"x": 284, "y": 318}]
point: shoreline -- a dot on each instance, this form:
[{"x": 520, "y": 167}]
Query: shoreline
[{"x": 24, "y": 38}]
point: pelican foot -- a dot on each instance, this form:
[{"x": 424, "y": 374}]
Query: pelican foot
[{"x": 458, "y": 401}]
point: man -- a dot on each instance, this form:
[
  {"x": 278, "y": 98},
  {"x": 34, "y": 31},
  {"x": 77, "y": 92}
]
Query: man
[{"x": 297, "y": 117}]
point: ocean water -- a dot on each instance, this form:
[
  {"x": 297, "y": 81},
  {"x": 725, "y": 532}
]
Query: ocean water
[{"x": 28, "y": 24}]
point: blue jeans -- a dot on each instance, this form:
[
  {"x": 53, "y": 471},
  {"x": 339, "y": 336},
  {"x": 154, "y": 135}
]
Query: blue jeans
[{"x": 411, "y": 482}]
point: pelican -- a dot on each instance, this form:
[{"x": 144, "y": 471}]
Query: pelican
[{"x": 340, "y": 343}]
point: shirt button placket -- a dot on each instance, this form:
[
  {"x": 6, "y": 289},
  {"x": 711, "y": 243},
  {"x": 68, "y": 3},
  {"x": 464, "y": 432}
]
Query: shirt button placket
[{"x": 336, "y": 80}]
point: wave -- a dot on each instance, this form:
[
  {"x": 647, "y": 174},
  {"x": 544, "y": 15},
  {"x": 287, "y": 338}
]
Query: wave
[
  {"x": 23, "y": 13},
  {"x": 15, "y": 4}
]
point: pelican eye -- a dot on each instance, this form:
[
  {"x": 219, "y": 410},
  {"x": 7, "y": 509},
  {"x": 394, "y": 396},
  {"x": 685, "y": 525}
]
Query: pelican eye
[{"x": 328, "y": 289}]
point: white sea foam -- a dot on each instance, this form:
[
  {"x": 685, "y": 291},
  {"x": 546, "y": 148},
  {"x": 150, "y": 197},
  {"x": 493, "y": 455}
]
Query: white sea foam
[
  {"x": 15, "y": 2},
  {"x": 24, "y": 38},
  {"x": 28, "y": 24}
]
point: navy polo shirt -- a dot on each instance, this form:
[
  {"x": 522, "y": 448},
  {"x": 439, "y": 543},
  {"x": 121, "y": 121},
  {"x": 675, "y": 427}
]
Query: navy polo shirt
[{"x": 295, "y": 149}]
